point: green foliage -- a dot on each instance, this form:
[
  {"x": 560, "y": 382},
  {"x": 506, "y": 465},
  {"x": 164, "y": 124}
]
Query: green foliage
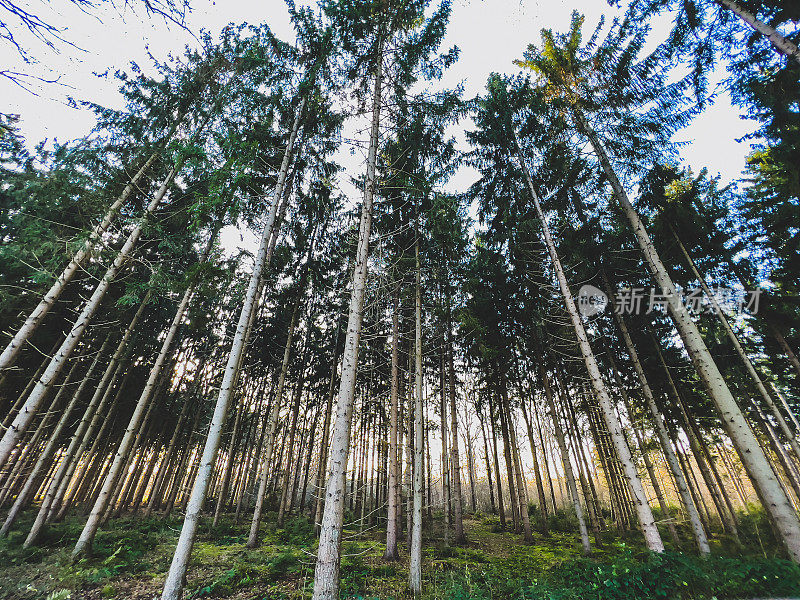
[
  {"x": 562, "y": 520},
  {"x": 298, "y": 531},
  {"x": 225, "y": 584},
  {"x": 629, "y": 577},
  {"x": 283, "y": 564}
]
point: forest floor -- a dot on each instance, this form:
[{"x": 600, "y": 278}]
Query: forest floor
[{"x": 132, "y": 556}]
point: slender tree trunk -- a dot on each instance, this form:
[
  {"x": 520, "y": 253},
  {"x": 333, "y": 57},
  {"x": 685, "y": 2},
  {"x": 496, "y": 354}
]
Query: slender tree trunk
[
  {"x": 587, "y": 485},
  {"x": 471, "y": 469},
  {"x": 91, "y": 418},
  {"x": 662, "y": 503},
  {"x": 787, "y": 349},
  {"x": 752, "y": 456},
  {"x": 779, "y": 42},
  {"x": 515, "y": 468},
  {"x": 326, "y": 575},
  {"x": 272, "y": 427},
  {"x": 226, "y": 477},
  {"x": 391, "y": 518},
  {"x": 131, "y": 432},
  {"x": 751, "y": 370},
  {"x": 789, "y": 466},
  {"x": 39, "y": 523},
  {"x": 458, "y": 520},
  {"x": 512, "y": 488},
  {"x": 323, "y": 455},
  {"x": 35, "y": 318},
  {"x": 446, "y": 504},
  {"x": 569, "y": 474},
  {"x": 415, "y": 563},
  {"x": 293, "y": 427},
  {"x": 155, "y": 492},
  {"x": 173, "y": 585},
  {"x": 30, "y": 407},
  {"x": 727, "y": 518},
  {"x": 499, "y": 485},
  {"x": 488, "y": 466},
  {"x": 646, "y": 521},
  {"x": 31, "y": 382},
  {"x": 539, "y": 486},
  {"x": 52, "y": 444},
  {"x": 666, "y": 445}
]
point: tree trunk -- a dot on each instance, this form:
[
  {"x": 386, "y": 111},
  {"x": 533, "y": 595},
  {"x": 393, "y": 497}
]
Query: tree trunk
[
  {"x": 779, "y": 42},
  {"x": 568, "y": 472},
  {"x": 173, "y": 585},
  {"x": 144, "y": 403},
  {"x": 750, "y": 452},
  {"x": 52, "y": 295},
  {"x": 488, "y": 465},
  {"x": 46, "y": 454},
  {"x": 415, "y": 562},
  {"x": 471, "y": 470},
  {"x": 646, "y": 521},
  {"x": 323, "y": 455},
  {"x": 54, "y": 482},
  {"x": 751, "y": 370},
  {"x": 91, "y": 417},
  {"x": 787, "y": 349},
  {"x": 155, "y": 492},
  {"x": 391, "y": 518},
  {"x": 539, "y": 486},
  {"x": 30, "y": 407},
  {"x": 666, "y": 445},
  {"x": 293, "y": 427},
  {"x": 446, "y": 504},
  {"x": 226, "y": 477},
  {"x": 272, "y": 426},
  {"x": 499, "y": 485},
  {"x": 648, "y": 464},
  {"x": 326, "y": 574},
  {"x": 458, "y": 520},
  {"x": 727, "y": 517}
]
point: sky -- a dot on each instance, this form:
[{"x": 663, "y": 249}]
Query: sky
[{"x": 490, "y": 35}]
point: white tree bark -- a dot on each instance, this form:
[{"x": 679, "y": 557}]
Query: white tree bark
[
  {"x": 455, "y": 460},
  {"x": 133, "y": 428},
  {"x": 31, "y": 405},
  {"x": 569, "y": 474},
  {"x": 750, "y": 452},
  {"x": 173, "y": 585},
  {"x": 393, "y": 465},
  {"x": 41, "y": 516},
  {"x": 751, "y": 370},
  {"x": 666, "y": 444},
  {"x": 326, "y": 574},
  {"x": 32, "y": 322},
  {"x": 49, "y": 449},
  {"x": 783, "y": 45},
  {"x": 646, "y": 521},
  {"x": 415, "y": 562},
  {"x": 272, "y": 427},
  {"x": 91, "y": 417}
]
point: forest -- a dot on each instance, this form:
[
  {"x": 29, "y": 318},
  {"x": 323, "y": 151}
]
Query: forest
[{"x": 575, "y": 377}]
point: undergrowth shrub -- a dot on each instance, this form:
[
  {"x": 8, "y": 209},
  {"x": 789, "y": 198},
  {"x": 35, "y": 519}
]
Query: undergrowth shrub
[
  {"x": 668, "y": 576},
  {"x": 298, "y": 531}
]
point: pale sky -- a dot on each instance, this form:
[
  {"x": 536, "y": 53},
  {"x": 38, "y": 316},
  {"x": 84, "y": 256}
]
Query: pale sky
[{"x": 490, "y": 34}]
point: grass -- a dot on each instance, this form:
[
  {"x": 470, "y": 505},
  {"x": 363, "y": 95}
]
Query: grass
[{"x": 131, "y": 557}]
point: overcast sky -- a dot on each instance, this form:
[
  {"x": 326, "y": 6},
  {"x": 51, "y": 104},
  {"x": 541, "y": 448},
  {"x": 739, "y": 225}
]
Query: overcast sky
[{"x": 490, "y": 34}]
